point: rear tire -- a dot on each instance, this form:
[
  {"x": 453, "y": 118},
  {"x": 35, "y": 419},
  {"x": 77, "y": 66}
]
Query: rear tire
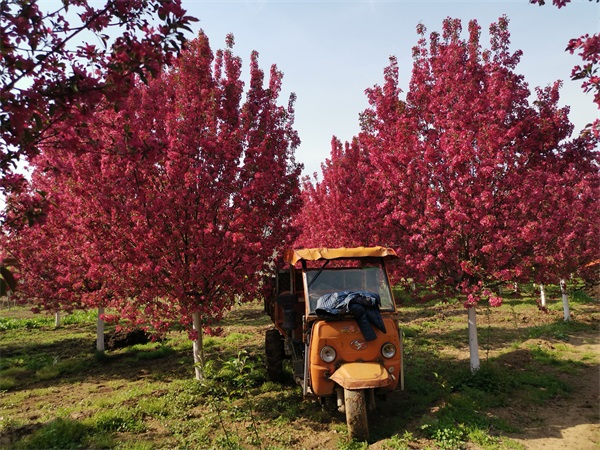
[
  {"x": 356, "y": 414},
  {"x": 275, "y": 355}
]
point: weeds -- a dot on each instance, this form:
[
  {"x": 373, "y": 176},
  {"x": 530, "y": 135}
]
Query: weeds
[
  {"x": 59, "y": 434},
  {"x": 398, "y": 442},
  {"x": 559, "y": 330},
  {"x": 29, "y": 323},
  {"x": 149, "y": 388},
  {"x": 352, "y": 445},
  {"x": 121, "y": 419},
  {"x": 579, "y": 296}
]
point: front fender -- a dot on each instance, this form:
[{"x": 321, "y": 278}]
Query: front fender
[{"x": 363, "y": 375}]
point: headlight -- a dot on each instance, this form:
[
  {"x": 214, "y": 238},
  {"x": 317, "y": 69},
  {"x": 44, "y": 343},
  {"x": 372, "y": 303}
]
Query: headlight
[
  {"x": 328, "y": 354},
  {"x": 388, "y": 350}
]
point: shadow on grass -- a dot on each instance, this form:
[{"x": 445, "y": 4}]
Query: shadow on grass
[
  {"x": 498, "y": 338},
  {"x": 59, "y": 433},
  {"x": 514, "y": 390},
  {"x": 43, "y": 364},
  {"x": 73, "y": 360},
  {"x": 442, "y": 400}
]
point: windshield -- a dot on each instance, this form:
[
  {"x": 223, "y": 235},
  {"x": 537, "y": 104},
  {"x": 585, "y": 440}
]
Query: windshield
[{"x": 327, "y": 281}]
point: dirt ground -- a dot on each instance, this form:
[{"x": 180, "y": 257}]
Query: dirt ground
[{"x": 571, "y": 423}]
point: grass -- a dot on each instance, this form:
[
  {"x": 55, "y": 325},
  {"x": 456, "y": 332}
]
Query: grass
[{"x": 57, "y": 392}]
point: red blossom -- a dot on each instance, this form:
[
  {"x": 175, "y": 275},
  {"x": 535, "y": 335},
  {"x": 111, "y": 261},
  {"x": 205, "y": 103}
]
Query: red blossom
[
  {"x": 468, "y": 180},
  {"x": 175, "y": 202},
  {"x": 558, "y": 3},
  {"x": 45, "y": 77}
]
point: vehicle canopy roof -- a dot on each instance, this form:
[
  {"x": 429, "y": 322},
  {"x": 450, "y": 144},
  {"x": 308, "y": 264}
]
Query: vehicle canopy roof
[{"x": 292, "y": 256}]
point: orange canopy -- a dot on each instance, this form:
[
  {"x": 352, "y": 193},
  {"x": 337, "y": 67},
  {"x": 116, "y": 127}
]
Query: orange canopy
[{"x": 314, "y": 254}]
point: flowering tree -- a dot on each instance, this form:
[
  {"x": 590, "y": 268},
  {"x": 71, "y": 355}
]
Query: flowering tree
[
  {"x": 472, "y": 175},
  {"x": 346, "y": 207},
  {"x": 564, "y": 241},
  {"x": 182, "y": 197},
  {"x": 559, "y": 3},
  {"x": 472, "y": 162},
  {"x": 45, "y": 230},
  {"x": 45, "y": 76},
  {"x": 341, "y": 210},
  {"x": 588, "y": 47}
]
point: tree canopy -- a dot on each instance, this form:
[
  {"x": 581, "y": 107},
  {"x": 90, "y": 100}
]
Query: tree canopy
[
  {"x": 54, "y": 63},
  {"x": 473, "y": 184},
  {"x": 173, "y": 203}
]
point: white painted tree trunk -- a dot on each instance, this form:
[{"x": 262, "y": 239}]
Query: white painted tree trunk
[
  {"x": 565, "y": 299},
  {"x": 197, "y": 348},
  {"x": 542, "y": 295},
  {"x": 100, "y": 330},
  {"x": 57, "y": 319},
  {"x": 473, "y": 344}
]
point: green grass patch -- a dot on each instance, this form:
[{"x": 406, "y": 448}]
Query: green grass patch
[
  {"x": 80, "y": 317},
  {"x": 236, "y": 338},
  {"x": 8, "y": 323},
  {"x": 56, "y": 376},
  {"x": 118, "y": 419},
  {"x": 158, "y": 353},
  {"x": 59, "y": 368},
  {"x": 58, "y": 434},
  {"x": 559, "y": 330},
  {"x": 40, "y": 321}
]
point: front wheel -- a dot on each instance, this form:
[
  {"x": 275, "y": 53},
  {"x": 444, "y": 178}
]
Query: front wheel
[{"x": 356, "y": 414}]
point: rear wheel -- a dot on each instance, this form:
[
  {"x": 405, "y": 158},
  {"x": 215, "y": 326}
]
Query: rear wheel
[
  {"x": 275, "y": 355},
  {"x": 356, "y": 414}
]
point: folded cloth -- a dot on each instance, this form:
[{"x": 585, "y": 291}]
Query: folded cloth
[
  {"x": 336, "y": 304},
  {"x": 364, "y": 306}
]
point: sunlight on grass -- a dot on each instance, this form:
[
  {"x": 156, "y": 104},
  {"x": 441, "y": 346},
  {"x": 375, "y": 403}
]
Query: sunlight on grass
[
  {"x": 136, "y": 445},
  {"x": 237, "y": 338},
  {"x": 116, "y": 395},
  {"x": 590, "y": 357},
  {"x": 122, "y": 419}
]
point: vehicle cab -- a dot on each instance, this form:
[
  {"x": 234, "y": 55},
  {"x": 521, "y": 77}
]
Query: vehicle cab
[{"x": 335, "y": 318}]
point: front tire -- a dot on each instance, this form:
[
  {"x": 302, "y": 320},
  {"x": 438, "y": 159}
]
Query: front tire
[
  {"x": 275, "y": 355},
  {"x": 356, "y": 414}
]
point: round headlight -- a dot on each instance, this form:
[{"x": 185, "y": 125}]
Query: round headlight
[
  {"x": 388, "y": 350},
  {"x": 328, "y": 354}
]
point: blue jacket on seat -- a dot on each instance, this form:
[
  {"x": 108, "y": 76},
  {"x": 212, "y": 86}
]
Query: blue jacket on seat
[{"x": 363, "y": 305}]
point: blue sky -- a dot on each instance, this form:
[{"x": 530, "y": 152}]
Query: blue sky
[{"x": 331, "y": 51}]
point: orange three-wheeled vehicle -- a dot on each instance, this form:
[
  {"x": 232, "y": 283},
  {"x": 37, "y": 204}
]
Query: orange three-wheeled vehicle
[{"x": 335, "y": 318}]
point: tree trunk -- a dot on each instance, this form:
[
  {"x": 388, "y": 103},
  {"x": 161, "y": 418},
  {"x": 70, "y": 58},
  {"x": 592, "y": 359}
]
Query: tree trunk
[
  {"x": 197, "y": 348},
  {"x": 565, "y": 299},
  {"x": 473, "y": 344},
  {"x": 57, "y": 319},
  {"x": 100, "y": 330},
  {"x": 542, "y": 295}
]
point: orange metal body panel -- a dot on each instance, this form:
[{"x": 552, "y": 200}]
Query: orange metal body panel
[
  {"x": 362, "y": 375},
  {"x": 347, "y": 340}
]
